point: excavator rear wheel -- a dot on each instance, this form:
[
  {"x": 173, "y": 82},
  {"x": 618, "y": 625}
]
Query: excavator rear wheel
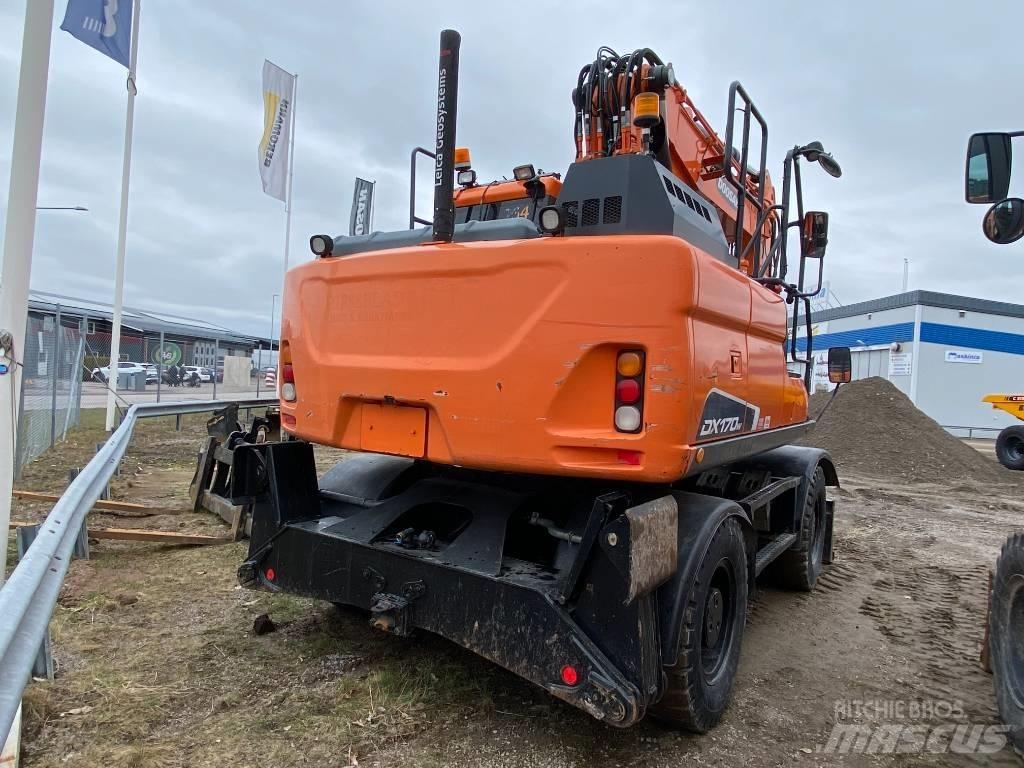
[
  {"x": 1006, "y": 637},
  {"x": 1010, "y": 447},
  {"x": 798, "y": 568},
  {"x": 700, "y": 683}
]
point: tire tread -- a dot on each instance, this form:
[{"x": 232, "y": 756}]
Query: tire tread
[
  {"x": 792, "y": 569},
  {"x": 681, "y": 704}
]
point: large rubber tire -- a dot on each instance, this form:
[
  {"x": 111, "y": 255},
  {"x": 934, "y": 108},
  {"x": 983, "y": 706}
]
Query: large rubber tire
[
  {"x": 700, "y": 684},
  {"x": 799, "y": 566},
  {"x": 1006, "y": 637},
  {"x": 1010, "y": 447}
]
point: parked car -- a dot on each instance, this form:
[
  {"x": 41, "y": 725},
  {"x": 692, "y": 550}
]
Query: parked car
[
  {"x": 152, "y": 374},
  {"x": 203, "y": 373},
  {"x": 103, "y": 374}
]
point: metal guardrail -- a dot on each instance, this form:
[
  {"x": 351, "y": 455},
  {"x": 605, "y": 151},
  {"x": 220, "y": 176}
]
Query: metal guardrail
[
  {"x": 29, "y": 596},
  {"x": 993, "y": 431}
]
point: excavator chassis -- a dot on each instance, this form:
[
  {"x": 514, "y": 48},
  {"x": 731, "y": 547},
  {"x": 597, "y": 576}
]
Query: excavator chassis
[{"x": 595, "y": 621}]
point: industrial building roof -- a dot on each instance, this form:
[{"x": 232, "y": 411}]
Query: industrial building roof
[
  {"x": 141, "y": 320},
  {"x": 925, "y": 298}
]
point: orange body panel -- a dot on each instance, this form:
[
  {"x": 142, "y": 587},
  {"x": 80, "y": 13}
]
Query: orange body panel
[{"x": 506, "y": 352}]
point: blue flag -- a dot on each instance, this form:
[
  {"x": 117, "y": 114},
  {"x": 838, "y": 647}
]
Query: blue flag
[{"x": 106, "y": 25}]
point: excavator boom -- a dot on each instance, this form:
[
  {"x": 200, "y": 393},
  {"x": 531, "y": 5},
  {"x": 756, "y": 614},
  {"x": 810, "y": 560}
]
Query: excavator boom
[{"x": 610, "y": 98}]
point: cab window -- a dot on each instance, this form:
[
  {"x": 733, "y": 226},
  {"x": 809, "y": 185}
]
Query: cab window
[{"x": 523, "y": 207}]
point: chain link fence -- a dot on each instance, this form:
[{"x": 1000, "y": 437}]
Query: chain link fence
[
  {"x": 168, "y": 366},
  {"x": 67, "y": 367},
  {"x": 51, "y": 386}
]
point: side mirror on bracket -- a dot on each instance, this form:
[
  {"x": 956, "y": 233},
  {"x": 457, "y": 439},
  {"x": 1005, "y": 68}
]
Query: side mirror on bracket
[
  {"x": 814, "y": 235},
  {"x": 989, "y": 158},
  {"x": 1004, "y": 222},
  {"x": 840, "y": 365}
]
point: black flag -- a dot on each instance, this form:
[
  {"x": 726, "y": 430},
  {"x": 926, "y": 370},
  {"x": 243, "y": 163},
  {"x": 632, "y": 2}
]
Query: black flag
[{"x": 362, "y": 205}]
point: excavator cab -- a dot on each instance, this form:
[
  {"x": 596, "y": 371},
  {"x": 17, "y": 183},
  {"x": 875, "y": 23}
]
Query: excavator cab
[{"x": 522, "y": 197}]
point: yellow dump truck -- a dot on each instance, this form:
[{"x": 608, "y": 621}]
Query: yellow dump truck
[{"x": 1010, "y": 442}]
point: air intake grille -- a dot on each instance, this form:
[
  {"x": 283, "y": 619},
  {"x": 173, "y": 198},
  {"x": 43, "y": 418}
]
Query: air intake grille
[
  {"x": 612, "y": 209},
  {"x": 591, "y": 210},
  {"x": 571, "y": 210},
  {"x": 668, "y": 184}
]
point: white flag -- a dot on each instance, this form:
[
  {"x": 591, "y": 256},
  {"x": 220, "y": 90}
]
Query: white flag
[{"x": 278, "y": 97}]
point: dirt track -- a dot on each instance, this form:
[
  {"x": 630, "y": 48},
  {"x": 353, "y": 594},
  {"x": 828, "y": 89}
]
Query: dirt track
[
  {"x": 155, "y": 643},
  {"x": 897, "y": 618}
]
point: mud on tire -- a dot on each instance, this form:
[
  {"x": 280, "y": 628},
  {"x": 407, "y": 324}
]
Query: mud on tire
[{"x": 700, "y": 683}]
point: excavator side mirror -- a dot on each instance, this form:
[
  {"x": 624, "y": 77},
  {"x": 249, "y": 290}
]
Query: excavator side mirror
[
  {"x": 987, "y": 176},
  {"x": 814, "y": 235},
  {"x": 840, "y": 365},
  {"x": 1004, "y": 222}
]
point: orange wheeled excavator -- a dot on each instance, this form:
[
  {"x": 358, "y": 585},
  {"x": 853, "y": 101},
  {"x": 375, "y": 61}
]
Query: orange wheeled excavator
[{"x": 573, "y": 401}]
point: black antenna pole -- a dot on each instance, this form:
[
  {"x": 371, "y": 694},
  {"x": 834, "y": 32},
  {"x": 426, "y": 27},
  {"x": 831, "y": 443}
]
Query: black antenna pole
[{"x": 444, "y": 163}]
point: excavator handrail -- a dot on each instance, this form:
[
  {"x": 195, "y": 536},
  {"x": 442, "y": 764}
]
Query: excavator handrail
[
  {"x": 742, "y": 192},
  {"x": 413, "y": 218}
]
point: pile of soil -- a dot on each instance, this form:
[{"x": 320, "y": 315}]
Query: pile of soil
[{"x": 872, "y": 428}]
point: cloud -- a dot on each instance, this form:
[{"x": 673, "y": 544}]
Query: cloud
[{"x": 892, "y": 89}]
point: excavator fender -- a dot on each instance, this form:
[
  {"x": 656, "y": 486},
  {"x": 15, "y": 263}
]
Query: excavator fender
[
  {"x": 798, "y": 461},
  {"x": 700, "y": 516}
]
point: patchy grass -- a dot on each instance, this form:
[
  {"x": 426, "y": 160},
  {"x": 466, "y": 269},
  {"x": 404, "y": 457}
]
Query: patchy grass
[{"x": 157, "y": 664}]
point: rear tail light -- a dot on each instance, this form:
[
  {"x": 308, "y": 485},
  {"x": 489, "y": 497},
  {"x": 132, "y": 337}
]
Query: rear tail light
[
  {"x": 627, "y": 418},
  {"x": 288, "y": 383},
  {"x": 629, "y": 391},
  {"x": 630, "y": 363},
  {"x": 570, "y": 675}
]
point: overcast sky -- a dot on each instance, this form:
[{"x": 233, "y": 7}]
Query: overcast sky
[{"x": 893, "y": 89}]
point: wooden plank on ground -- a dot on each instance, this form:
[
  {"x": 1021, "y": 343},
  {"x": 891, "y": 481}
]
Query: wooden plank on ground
[
  {"x": 107, "y": 504},
  {"x": 138, "y": 534},
  {"x": 165, "y": 537}
]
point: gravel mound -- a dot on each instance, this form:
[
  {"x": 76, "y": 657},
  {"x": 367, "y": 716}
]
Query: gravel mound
[{"x": 873, "y": 429}]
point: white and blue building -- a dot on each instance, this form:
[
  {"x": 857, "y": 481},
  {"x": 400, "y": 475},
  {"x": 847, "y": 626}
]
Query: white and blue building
[{"x": 944, "y": 352}]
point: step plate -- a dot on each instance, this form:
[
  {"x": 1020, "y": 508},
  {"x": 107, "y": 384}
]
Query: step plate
[{"x": 772, "y": 550}]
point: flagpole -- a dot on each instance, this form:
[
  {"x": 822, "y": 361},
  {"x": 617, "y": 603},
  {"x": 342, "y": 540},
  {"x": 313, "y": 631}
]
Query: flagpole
[
  {"x": 373, "y": 204},
  {"x": 122, "y": 229},
  {"x": 288, "y": 201},
  {"x": 16, "y": 267}
]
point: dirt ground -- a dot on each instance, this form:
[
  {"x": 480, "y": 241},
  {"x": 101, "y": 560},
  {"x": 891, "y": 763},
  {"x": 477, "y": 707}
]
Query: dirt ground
[{"x": 157, "y": 664}]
